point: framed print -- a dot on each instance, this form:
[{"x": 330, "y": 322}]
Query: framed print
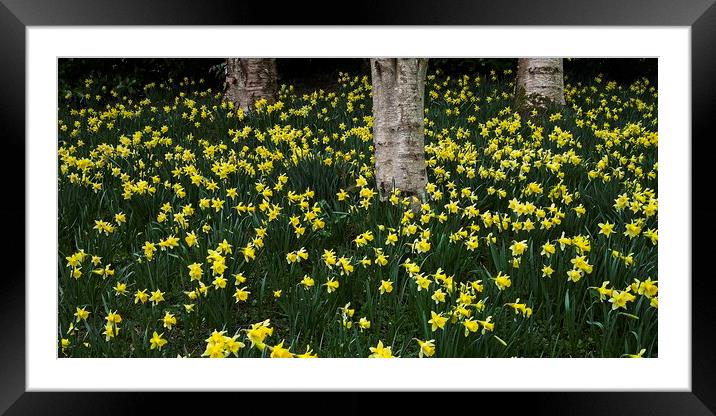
[{"x": 475, "y": 192}]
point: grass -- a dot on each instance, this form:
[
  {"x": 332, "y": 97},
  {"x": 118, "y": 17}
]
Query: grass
[{"x": 170, "y": 157}]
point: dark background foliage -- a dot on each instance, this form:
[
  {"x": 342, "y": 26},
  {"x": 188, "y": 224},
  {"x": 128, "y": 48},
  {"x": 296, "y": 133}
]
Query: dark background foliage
[{"x": 129, "y": 75}]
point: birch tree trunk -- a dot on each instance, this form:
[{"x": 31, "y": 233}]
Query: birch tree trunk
[
  {"x": 540, "y": 82},
  {"x": 398, "y": 130},
  {"x": 249, "y": 80}
]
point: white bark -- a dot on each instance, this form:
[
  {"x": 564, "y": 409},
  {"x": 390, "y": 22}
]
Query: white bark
[
  {"x": 249, "y": 80},
  {"x": 540, "y": 82},
  {"x": 398, "y": 130}
]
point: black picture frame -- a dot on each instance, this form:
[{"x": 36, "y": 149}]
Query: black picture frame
[{"x": 699, "y": 15}]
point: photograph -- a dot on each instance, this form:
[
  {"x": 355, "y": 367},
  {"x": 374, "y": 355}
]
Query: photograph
[
  {"x": 472, "y": 189},
  {"x": 367, "y": 207}
]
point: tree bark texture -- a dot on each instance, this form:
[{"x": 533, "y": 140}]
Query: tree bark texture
[
  {"x": 398, "y": 128},
  {"x": 540, "y": 82},
  {"x": 249, "y": 80}
]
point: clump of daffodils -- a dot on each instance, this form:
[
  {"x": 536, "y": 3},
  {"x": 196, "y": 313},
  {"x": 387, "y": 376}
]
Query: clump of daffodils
[{"x": 219, "y": 345}]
